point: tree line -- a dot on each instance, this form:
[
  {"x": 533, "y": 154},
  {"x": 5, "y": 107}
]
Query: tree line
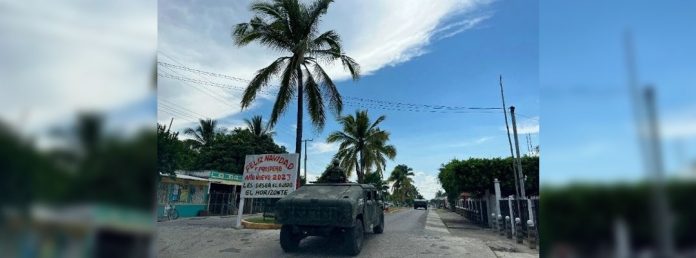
[
  {"x": 91, "y": 166},
  {"x": 476, "y": 175},
  {"x": 213, "y": 148}
]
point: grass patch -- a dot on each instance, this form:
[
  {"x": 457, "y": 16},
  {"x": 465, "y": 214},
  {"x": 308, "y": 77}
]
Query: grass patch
[{"x": 261, "y": 220}]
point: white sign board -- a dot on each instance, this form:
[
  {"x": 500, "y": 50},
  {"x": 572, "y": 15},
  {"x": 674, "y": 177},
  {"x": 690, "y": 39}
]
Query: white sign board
[{"x": 269, "y": 175}]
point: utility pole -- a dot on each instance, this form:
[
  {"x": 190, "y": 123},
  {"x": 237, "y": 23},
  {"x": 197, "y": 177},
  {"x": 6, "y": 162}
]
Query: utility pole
[
  {"x": 305, "y": 159},
  {"x": 648, "y": 140},
  {"x": 520, "y": 175},
  {"x": 512, "y": 154},
  {"x": 170, "y": 125},
  {"x": 661, "y": 214}
]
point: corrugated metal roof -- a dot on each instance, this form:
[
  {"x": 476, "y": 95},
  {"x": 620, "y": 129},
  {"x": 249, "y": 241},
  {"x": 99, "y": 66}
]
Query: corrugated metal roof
[{"x": 187, "y": 177}]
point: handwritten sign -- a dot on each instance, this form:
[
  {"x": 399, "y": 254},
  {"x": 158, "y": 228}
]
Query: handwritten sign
[{"x": 269, "y": 175}]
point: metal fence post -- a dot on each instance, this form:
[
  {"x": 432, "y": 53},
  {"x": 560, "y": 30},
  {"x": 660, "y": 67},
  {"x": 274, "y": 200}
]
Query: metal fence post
[
  {"x": 518, "y": 226},
  {"x": 495, "y": 222},
  {"x": 508, "y": 230},
  {"x": 496, "y": 185},
  {"x": 511, "y": 223},
  {"x": 529, "y": 209},
  {"x": 482, "y": 212},
  {"x": 501, "y": 225},
  {"x": 531, "y": 231}
]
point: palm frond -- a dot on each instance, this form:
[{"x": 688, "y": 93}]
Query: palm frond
[
  {"x": 263, "y": 76},
  {"x": 352, "y": 66},
  {"x": 330, "y": 90},
  {"x": 288, "y": 85},
  {"x": 315, "y": 104}
]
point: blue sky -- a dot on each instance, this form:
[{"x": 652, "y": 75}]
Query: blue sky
[
  {"x": 589, "y": 128},
  {"x": 450, "y": 55}
]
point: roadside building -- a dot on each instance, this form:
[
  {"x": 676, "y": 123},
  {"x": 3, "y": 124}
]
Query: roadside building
[
  {"x": 223, "y": 190},
  {"x": 189, "y": 194}
]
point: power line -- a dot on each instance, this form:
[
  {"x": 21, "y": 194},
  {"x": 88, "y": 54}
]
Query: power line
[
  {"x": 176, "y": 113},
  {"x": 203, "y": 72},
  {"x": 414, "y": 109},
  {"x": 362, "y": 102},
  {"x": 242, "y": 88},
  {"x": 175, "y": 106},
  {"x": 168, "y": 75},
  {"x": 209, "y": 93}
]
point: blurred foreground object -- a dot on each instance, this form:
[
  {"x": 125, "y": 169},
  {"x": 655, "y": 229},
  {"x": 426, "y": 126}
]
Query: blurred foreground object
[
  {"x": 604, "y": 193},
  {"x": 77, "y": 128},
  {"x": 78, "y": 231}
]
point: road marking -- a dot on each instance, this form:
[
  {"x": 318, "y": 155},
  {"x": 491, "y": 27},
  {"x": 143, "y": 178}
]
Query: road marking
[{"x": 434, "y": 222}]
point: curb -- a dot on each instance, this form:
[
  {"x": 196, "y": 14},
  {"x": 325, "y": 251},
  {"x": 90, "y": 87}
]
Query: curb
[{"x": 252, "y": 225}]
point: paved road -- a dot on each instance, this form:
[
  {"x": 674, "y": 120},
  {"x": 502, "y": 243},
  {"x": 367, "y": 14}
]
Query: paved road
[{"x": 408, "y": 233}]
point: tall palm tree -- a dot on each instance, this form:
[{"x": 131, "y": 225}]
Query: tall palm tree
[
  {"x": 401, "y": 181},
  {"x": 292, "y": 27},
  {"x": 363, "y": 144},
  {"x": 258, "y": 128},
  {"x": 376, "y": 180},
  {"x": 204, "y": 133}
]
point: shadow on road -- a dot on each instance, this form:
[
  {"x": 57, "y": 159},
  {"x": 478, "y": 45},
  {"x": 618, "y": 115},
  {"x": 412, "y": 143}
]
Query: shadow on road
[{"x": 325, "y": 246}]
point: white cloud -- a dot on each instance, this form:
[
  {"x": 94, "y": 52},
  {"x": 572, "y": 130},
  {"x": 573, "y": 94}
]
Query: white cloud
[
  {"x": 376, "y": 34},
  {"x": 679, "y": 129},
  {"x": 427, "y": 184},
  {"x": 458, "y": 27},
  {"x": 526, "y": 126},
  {"x": 59, "y": 58},
  {"x": 680, "y": 124},
  {"x": 477, "y": 141},
  {"x": 323, "y": 147}
]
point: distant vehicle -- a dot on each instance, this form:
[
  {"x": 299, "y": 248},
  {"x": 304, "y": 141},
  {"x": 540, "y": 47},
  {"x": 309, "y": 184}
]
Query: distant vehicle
[
  {"x": 420, "y": 203},
  {"x": 345, "y": 209}
]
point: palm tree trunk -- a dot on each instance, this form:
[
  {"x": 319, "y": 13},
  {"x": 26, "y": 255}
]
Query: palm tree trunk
[
  {"x": 361, "y": 175},
  {"x": 357, "y": 170},
  {"x": 298, "y": 136}
]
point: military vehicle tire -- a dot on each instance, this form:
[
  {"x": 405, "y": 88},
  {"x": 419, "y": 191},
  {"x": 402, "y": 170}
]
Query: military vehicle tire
[
  {"x": 289, "y": 241},
  {"x": 354, "y": 238},
  {"x": 379, "y": 229}
]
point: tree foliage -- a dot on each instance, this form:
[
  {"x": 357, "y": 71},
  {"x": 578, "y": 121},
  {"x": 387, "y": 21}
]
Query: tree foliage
[
  {"x": 292, "y": 27},
  {"x": 213, "y": 148},
  {"x": 583, "y": 215},
  {"x": 228, "y": 151},
  {"x": 363, "y": 145},
  {"x": 258, "y": 128},
  {"x": 376, "y": 180},
  {"x": 403, "y": 189},
  {"x": 204, "y": 133},
  {"x": 94, "y": 168},
  {"x": 476, "y": 175}
]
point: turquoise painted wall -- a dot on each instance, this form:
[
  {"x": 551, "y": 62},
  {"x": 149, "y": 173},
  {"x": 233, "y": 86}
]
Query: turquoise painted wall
[{"x": 185, "y": 210}]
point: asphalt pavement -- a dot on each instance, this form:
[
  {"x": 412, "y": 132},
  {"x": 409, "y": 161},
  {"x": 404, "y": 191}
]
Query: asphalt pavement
[{"x": 408, "y": 233}]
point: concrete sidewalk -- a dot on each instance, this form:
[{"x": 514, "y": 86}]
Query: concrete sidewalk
[
  {"x": 503, "y": 247},
  {"x": 466, "y": 245}
]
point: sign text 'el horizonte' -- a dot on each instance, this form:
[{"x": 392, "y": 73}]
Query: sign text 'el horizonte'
[{"x": 269, "y": 175}]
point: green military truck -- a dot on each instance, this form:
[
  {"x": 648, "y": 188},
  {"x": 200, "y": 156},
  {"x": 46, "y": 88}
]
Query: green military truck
[
  {"x": 420, "y": 203},
  {"x": 330, "y": 209}
]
